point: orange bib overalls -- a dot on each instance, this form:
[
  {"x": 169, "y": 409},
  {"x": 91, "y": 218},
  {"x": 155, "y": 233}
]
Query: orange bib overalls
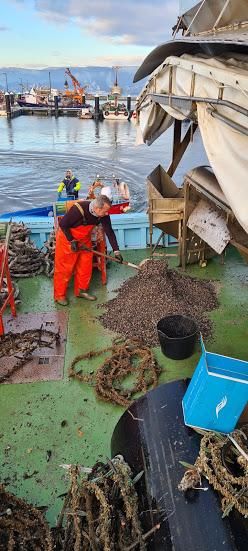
[{"x": 68, "y": 262}]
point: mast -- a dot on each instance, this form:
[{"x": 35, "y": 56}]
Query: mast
[{"x": 116, "y": 90}]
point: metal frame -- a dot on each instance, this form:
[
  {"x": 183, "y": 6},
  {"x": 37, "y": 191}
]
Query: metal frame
[
  {"x": 179, "y": 148},
  {"x": 5, "y": 273},
  {"x": 225, "y": 208},
  {"x": 182, "y": 101}
]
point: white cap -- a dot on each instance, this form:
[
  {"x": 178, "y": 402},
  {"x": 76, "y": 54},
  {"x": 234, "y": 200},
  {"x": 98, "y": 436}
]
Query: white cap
[{"x": 106, "y": 190}]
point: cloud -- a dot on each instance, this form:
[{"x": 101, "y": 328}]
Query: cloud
[
  {"x": 3, "y": 29},
  {"x": 142, "y": 23},
  {"x": 61, "y": 61},
  {"x": 109, "y": 61}
]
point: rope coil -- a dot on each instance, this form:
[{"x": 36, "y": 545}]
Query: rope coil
[
  {"x": 225, "y": 467},
  {"x": 128, "y": 357}
]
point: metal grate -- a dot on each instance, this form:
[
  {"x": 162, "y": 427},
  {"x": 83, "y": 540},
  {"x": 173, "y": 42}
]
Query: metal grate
[
  {"x": 46, "y": 364},
  {"x": 43, "y": 361}
]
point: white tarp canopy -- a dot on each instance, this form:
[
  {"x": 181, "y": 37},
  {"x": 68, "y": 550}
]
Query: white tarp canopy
[{"x": 226, "y": 147}]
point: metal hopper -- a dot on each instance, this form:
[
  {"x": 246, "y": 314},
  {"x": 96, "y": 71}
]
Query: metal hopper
[{"x": 165, "y": 205}]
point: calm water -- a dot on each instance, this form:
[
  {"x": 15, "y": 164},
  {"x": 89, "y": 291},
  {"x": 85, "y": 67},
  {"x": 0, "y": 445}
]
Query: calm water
[{"x": 36, "y": 151}]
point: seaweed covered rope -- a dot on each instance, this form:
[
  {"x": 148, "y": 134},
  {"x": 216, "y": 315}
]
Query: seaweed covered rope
[
  {"x": 49, "y": 253},
  {"x": 25, "y": 260},
  {"x": 101, "y": 512},
  {"x": 128, "y": 357},
  {"x": 22, "y": 526},
  {"x": 223, "y": 460}
]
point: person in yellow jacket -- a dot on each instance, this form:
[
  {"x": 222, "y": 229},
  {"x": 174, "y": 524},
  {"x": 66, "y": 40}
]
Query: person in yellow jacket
[{"x": 71, "y": 185}]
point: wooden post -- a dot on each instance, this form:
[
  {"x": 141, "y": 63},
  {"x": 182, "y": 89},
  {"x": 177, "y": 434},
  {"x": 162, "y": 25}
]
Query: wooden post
[
  {"x": 180, "y": 242},
  {"x": 150, "y": 210},
  {"x": 56, "y": 106},
  {"x": 184, "y": 231},
  {"x": 97, "y": 106},
  {"x": 129, "y": 104},
  {"x": 179, "y": 146},
  {"x": 12, "y": 98},
  {"x": 8, "y": 106}
]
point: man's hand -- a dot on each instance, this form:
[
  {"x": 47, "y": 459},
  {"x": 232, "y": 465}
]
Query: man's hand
[
  {"x": 74, "y": 246},
  {"x": 118, "y": 256}
]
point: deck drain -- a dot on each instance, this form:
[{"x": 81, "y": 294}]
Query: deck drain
[{"x": 43, "y": 361}]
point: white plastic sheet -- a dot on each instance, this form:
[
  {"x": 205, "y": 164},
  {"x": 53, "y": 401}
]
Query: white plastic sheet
[{"x": 226, "y": 148}]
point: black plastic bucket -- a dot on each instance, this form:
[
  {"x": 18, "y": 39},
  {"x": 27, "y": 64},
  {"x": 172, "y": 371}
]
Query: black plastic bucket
[{"x": 177, "y": 336}]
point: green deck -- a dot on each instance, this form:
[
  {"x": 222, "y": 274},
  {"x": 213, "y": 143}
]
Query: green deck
[{"x": 31, "y": 414}]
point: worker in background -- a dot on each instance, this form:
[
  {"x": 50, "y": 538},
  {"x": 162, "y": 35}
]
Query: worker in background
[
  {"x": 107, "y": 191},
  {"x": 74, "y": 231},
  {"x": 71, "y": 185}
]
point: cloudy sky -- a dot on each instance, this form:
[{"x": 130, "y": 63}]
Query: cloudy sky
[{"x": 41, "y": 33}]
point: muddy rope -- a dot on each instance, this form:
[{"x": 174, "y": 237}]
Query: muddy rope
[
  {"x": 4, "y": 292},
  {"x": 127, "y": 357},
  {"x": 101, "y": 513},
  {"x": 21, "y": 346},
  {"x": 22, "y": 526},
  {"x": 25, "y": 259},
  {"x": 49, "y": 254},
  {"x": 224, "y": 463}
]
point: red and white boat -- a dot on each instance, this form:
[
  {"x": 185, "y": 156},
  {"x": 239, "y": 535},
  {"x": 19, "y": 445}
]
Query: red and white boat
[{"x": 116, "y": 190}]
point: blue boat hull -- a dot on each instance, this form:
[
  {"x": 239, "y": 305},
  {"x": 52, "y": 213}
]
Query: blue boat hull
[
  {"x": 37, "y": 211},
  {"x": 131, "y": 229}
]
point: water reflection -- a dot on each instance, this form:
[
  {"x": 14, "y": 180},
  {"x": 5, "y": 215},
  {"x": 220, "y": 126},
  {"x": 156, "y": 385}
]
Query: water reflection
[
  {"x": 10, "y": 132},
  {"x": 36, "y": 151},
  {"x": 97, "y": 130}
]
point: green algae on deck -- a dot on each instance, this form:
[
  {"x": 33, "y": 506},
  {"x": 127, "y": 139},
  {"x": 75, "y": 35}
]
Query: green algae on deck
[{"x": 46, "y": 424}]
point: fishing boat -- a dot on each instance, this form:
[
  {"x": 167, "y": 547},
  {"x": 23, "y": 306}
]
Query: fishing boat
[
  {"x": 112, "y": 109},
  {"x": 115, "y": 189},
  {"x": 86, "y": 112},
  {"x": 37, "y": 98},
  {"x": 51, "y": 421}
]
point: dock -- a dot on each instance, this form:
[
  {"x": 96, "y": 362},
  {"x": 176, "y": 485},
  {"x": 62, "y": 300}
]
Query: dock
[
  {"x": 11, "y": 110},
  {"x": 46, "y": 112}
]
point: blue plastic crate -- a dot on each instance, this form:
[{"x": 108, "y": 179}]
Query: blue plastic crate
[{"x": 217, "y": 393}]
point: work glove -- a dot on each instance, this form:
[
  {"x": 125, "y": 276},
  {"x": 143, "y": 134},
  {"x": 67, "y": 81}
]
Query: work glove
[
  {"x": 74, "y": 246},
  {"x": 118, "y": 256}
]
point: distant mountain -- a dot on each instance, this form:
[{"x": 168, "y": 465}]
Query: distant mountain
[{"x": 96, "y": 78}]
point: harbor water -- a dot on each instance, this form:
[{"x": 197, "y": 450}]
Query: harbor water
[{"x": 35, "y": 151}]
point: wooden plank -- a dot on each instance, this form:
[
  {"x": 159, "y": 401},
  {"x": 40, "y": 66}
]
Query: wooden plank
[
  {"x": 180, "y": 148},
  {"x": 159, "y": 218}
]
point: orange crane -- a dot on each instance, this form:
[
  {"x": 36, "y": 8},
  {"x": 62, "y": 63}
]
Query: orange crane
[{"x": 78, "y": 91}]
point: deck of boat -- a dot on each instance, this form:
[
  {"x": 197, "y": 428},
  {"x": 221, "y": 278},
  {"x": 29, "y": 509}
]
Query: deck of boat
[{"x": 63, "y": 417}]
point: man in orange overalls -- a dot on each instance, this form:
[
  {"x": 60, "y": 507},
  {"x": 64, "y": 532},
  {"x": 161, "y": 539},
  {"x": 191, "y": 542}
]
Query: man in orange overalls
[{"x": 75, "y": 230}]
